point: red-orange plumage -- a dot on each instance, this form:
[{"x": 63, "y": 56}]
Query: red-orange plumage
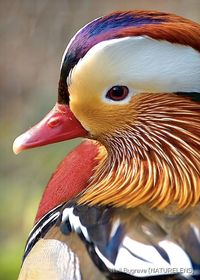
[
  {"x": 172, "y": 28},
  {"x": 70, "y": 178}
]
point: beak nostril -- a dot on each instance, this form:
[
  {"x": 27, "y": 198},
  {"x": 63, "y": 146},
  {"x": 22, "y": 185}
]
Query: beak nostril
[
  {"x": 53, "y": 122},
  {"x": 55, "y": 127}
]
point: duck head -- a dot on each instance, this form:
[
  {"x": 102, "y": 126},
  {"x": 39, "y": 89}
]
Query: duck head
[{"x": 130, "y": 80}]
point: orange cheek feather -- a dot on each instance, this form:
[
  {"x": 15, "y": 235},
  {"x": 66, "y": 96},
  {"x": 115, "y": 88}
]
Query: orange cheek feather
[{"x": 104, "y": 119}]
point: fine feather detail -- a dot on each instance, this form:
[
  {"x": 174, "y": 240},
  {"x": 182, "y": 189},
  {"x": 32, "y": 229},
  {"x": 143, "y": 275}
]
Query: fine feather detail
[
  {"x": 51, "y": 259},
  {"x": 41, "y": 228},
  {"x": 114, "y": 243},
  {"x": 154, "y": 24},
  {"x": 155, "y": 159},
  {"x": 119, "y": 241}
]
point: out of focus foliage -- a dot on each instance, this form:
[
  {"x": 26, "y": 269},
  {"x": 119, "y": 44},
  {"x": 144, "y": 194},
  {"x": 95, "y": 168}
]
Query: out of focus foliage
[{"x": 33, "y": 36}]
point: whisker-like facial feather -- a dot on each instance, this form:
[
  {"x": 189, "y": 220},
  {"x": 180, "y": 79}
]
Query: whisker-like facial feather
[{"x": 155, "y": 160}]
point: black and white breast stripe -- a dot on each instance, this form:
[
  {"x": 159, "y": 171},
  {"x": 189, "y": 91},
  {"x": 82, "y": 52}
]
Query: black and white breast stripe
[
  {"x": 111, "y": 245},
  {"x": 41, "y": 228}
]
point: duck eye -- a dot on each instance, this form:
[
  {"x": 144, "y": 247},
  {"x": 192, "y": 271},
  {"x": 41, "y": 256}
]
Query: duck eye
[{"x": 117, "y": 93}]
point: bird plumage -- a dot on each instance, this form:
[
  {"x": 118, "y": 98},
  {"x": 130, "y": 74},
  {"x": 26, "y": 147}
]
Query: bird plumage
[
  {"x": 116, "y": 238},
  {"x": 70, "y": 178},
  {"x": 156, "y": 25},
  {"x": 158, "y": 165},
  {"x": 131, "y": 194}
]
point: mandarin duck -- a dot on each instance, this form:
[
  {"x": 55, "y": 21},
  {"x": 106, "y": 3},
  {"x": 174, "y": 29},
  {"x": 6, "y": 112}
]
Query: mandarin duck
[{"x": 125, "y": 204}]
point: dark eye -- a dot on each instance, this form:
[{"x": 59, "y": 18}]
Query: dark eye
[{"x": 117, "y": 93}]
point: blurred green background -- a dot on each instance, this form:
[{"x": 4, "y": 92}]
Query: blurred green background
[{"x": 33, "y": 36}]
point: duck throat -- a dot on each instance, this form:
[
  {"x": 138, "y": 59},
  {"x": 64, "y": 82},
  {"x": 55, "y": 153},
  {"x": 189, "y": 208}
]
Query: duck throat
[{"x": 154, "y": 161}]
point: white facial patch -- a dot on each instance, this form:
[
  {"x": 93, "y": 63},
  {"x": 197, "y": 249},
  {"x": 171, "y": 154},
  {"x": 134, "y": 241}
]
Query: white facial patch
[{"x": 142, "y": 64}]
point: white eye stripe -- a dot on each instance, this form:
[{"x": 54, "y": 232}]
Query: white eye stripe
[{"x": 142, "y": 63}]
